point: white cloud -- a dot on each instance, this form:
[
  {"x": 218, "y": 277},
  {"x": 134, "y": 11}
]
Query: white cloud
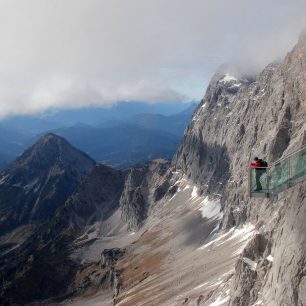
[{"x": 67, "y": 53}]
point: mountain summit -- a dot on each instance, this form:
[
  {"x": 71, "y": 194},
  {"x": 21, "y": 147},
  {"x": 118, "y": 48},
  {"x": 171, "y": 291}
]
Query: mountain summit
[
  {"x": 52, "y": 149},
  {"x": 40, "y": 180}
]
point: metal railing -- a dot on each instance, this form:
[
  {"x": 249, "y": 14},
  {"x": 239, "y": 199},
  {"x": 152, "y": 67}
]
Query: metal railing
[{"x": 282, "y": 175}]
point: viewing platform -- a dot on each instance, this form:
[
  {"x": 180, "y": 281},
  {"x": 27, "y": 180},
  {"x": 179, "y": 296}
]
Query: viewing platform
[{"x": 281, "y": 175}]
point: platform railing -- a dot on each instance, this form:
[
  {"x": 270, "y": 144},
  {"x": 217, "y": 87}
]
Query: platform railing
[{"x": 281, "y": 175}]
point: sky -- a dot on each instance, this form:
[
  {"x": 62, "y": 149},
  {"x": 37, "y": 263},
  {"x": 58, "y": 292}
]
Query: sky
[{"x": 75, "y": 53}]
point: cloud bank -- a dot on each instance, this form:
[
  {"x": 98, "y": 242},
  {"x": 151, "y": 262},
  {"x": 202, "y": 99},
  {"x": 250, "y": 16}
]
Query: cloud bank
[{"x": 72, "y": 53}]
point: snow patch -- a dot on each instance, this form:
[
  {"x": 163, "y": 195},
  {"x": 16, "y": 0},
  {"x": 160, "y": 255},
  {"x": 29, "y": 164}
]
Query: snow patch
[
  {"x": 228, "y": 78},
  {"x": 3, "y": 179},
  {"x": 244, "y": 233},
  {"x": 241, "y": 234},
  {"x": 180, "y": 181},
  {"x": 250, "y": 262},
  {"x": 216, "y": 228},
  {"x": 173, "y": 196},
  {"x": 123, "y": 301},
  {"x": 200, "y": 286},
  {"x": 270, "y": 258},
  {"x": 30, "y": 186},
  {"x": 211, "y": 209},
  {"x": 216, "y": 240},
  {"x": 219, "y": 301},
  {"x": 259, "y": 302},
  {"x": 194, "y": 193}
]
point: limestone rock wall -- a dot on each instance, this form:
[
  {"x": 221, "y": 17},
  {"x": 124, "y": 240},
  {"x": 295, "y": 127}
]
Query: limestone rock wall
[{"x": 240, "y": 118}]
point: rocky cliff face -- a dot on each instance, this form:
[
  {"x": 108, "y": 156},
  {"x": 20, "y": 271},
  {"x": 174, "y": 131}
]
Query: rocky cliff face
[
  {"x": 237, "y": 120},
  {"x": 39, "y": 181},
  {"x": 95, "y": 200},
  {"x": 140, "y": 191}
]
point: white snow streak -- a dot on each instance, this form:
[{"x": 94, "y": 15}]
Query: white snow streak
[
  {"x": 244, "y": 232},
  {"x": 194, "y": 193},
  {"x": 228, "y": 78},
  {"x": 259, "y": 302},
  {"x": 2, "y": 181},
  {"x": 270, "y": 258},
  {"x": 29, "y": 186},
  {"x": 200, "y": 286},
  {"x": 219, "y": 301},
  {"x": 187, "y": 187},
  {"x": 250, "y": 262},
  {"x": 211, "y": 209},
  {"x": 241, "y": 234},
  {"x": 216, "y": 240}
]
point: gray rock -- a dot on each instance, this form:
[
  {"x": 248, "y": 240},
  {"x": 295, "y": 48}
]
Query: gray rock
[
  {"x": 263, "y": 117},
  {"x": 109, "y": 256},
  {"x": 144, "y": 185},
  {"x": 40, "y": 181}
]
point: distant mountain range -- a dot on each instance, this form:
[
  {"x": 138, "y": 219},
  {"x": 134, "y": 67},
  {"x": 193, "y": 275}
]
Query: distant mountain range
[
  {"x": 13, "y": 142},
  {"x": 123, "y": 145},
  {"x": 93, "y": 116},
  {"x": 120, "y": 136},
  {"x": 174, "y": 124}
]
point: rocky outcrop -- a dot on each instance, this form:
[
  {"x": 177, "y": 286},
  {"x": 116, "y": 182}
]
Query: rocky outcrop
[
  {"x": 134, "y": 197},
  {"x": 102, "y": 275},
  {"x": 250, "y": 271},
  {"x": 109, "y": 256},
  {"x": 140, "y": 193}
]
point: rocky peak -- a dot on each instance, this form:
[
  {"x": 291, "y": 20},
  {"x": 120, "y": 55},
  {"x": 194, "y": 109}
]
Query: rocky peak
[
  {"x": 226, "y": 84},
  {"x": 52, "y": 149},
  {"x": 40, "y": 180}
]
